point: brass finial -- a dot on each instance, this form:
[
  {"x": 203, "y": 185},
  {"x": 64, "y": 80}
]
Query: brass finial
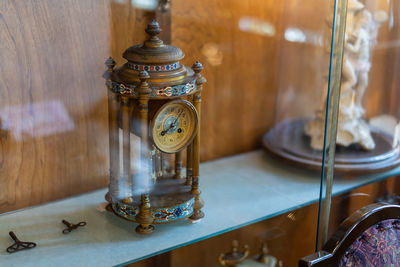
[
  {"x": 110, "y": 63},
  {"x": 143, "y": 88},
  {"x": 143, "y": 76},
  {"x": 153, "y": 29},
  {"x": 197, "y": 67}
]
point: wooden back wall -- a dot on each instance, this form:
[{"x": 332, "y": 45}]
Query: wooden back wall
[{"x": 53, "y": 108}]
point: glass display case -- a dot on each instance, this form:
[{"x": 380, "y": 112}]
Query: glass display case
[
  {"x": 302, "y": 86},
  {"x": 373, "y": 35},
  {"x": 367, "y": 126},
  {"x": 269, "y": 67}
]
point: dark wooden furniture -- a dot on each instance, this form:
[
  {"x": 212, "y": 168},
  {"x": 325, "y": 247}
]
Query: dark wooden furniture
[{"x": 360, "y": 227}]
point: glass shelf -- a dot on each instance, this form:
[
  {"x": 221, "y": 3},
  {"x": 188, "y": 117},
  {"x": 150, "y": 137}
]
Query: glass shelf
[{"x": 230, "y": 186}]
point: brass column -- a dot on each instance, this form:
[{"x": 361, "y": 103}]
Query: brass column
[
  {"x": 126, "y": 144},
  {"x": 178, "y": 165},
  {"x": 113, "y": 189},
  {"x": 189, "y": 157},
  {"x": 189, "y": 164},
  {"x": 159, "y": 165},
  {"x": 144, "y": 218},
  {"x": 198, "y": 204}
]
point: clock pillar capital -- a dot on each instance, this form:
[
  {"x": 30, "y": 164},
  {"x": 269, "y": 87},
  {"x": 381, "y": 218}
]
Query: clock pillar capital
[{"x": 197, "y": 68}]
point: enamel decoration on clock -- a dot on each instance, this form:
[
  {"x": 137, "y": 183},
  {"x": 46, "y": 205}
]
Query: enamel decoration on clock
[{"x": 154, "y": 118}]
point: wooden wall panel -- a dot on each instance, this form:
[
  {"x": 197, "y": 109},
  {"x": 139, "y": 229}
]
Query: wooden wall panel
[
  {"x": 345, "y": 204},
  {"x": 126, "y": 26},
  {"x": 53, "y": 101},
  {"x": 303, "y": 59},
  {"x": 53, "y": 108},
  {"x": 240, "y": 66}
]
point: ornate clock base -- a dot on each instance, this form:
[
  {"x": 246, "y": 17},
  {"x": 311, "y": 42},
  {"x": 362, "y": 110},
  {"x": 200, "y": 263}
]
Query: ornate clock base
[{"x": 177, "y": 205}]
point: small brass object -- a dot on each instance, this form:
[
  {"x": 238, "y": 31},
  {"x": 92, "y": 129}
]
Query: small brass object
[
  {"x": 265, "y": 258},
  {"x": 71, "y": 226},
  {"x": 235, "y": 257},
  {"x": 19, "y": 245}
]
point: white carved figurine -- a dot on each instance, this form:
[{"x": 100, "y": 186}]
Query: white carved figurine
[{"x": 361, "y": 33}]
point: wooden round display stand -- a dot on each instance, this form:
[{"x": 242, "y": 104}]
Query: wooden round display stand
[{"x": 288, "y": 141}]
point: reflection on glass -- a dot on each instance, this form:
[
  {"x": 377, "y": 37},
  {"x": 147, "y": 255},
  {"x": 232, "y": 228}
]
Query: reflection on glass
[
  {"x": 213, "y": 54},
  {"x": 302, "y": 82},
  {"x": 256, "y": 26},
  {"x": 293, "y": 34},
  {"x": 368, "y": 121},
  {"x": 35, "y": 120}
]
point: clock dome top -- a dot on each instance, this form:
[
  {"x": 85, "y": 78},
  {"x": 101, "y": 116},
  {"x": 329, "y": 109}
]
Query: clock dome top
[{"x": 153, "y": 50}]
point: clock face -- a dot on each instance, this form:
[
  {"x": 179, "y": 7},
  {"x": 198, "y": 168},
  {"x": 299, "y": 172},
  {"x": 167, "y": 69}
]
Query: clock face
[{"x": 174, "y": 126}]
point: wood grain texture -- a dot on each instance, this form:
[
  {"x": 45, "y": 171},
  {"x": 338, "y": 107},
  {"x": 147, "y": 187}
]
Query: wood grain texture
[
  {"x": 52, "y": 57},
  {"x": 303, "y": 59},
  {"x": 346, "y": 204},
  {"x": 55, "y": 51},
  {"x": 126, "y": 26},
  {"x": 289, "y": 237},
  {"x": 240, "y": 67}
]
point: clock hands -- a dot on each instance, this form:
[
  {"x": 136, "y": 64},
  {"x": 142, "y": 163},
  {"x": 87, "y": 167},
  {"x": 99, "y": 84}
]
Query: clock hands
[
  {"x": 177, "y": 117},
  {"x": 172, "y": 124}
]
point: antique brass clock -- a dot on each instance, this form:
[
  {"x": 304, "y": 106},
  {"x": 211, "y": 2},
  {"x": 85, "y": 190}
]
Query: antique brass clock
[
  {"x": 154, "y": 117},
  {"x": 174, "y": 126}
]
